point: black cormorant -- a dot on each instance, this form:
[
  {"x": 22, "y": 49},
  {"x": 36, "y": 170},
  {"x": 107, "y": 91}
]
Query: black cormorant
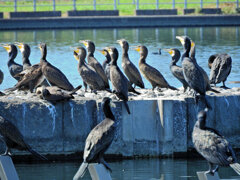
[
  {"x": 93, "y": 62},
  {"x": 13, "y": 67},
  {"x": 150, "y": 73},
  {"x": 98, "y": 140},
  {"x": 54, "y": 76},
  {"x": 191, "y": 71},
  {"x": 89, "y": 75},
  {"x": 1, "y": 80},
  {"x": 192, "y": 56},
  {"x": 118, "y": 80},
  {"x": 129, "y": 68},
  {"x": 176, "y": 70},
  {"x": 14, "y": 139},
  {"x": 25, "y": 50},
  {"x": 54, "y": 94},
  {"x": 106, "y": 62},
  {"x": 213, "y": 146},
  {"x": 220, "y": 65}
]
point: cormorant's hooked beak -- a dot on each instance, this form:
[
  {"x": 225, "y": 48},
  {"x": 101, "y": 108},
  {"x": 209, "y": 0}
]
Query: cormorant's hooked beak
[
  {"x": 84, "y": 43},
  {"x": 181, "y": 39},
  {"x": 120, "y": 42},
  {"x": 170, "y": 51},
  {"x": 136, "y": 48},
  {"x": 7, "y": 47},
  {"x": 75, "y": 54},
  {"x": 103, "y": 51},
  {"x": 19, "y": 45}
]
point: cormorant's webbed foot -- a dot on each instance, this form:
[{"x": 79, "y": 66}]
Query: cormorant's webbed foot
[{"x": 224, "y": 87}]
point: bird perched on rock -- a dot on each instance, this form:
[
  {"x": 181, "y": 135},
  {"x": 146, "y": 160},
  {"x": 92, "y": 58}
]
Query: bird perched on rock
[
  {"x": 13, "y": 139},
  {"x": 176, "y": 70},
  {"x": 220, "y": 65},
  {"x": 106, "y": 62},
  {"x": 150, "y": 73},
  {"x": 54, "y": 94},
  {"x": 119, "y": 81},
  {"x": 88, "y": 74},
  {"x": 13, "y": 67},
  {"x": 99, "y": 140},
  {"x": 54, "y": 76},
  {"x": 213, "y": 146},
  {"x": 92, "y": 61},
  {"x": 129, "y": 68}
]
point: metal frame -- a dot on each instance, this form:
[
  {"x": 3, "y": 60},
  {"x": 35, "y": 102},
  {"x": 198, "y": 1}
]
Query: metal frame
[{"x": 114, "y": 3}]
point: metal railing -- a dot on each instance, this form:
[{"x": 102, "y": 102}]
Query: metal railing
[{"x": 74, "y": 4}]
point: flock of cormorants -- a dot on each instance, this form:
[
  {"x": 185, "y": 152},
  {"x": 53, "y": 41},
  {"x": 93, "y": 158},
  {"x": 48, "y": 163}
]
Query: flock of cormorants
[{"x": 56, "y": 87}]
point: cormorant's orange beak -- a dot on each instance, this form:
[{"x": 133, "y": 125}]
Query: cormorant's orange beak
[
  {"x": 7, "y": 47},
  {"x": 170, "y": 51},
  {"x": 75, "y": 54},
  {"x": 84, "y": 43},
  {"x": 192, "y": 44},
  {"x": 19, "y": 45}
]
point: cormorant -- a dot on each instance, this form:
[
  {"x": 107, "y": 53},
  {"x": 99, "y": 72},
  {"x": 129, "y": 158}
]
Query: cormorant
[
  {"x": 213, "y": 146},
  {"x": 98, "y": 140},
  {"x": 54, "y": 76},
  {"x": 192, "y": 72},
  {"x": 1, "y": 80},
  {"x": 88, "y": 73},
  {"x": 220, "y": 65},
  {"x": 25, "y": 50},
  {"x": 119, "y": 81},
  {"x": 157, "y": 53},
  {"x": 13, "y": 67},
  {"x": 93, "y": 62},
  {"x": 128, "y": 67},
  {"x": 192, "y": 56},
  {"x": 54, "y": 94},
  {"x": 149, "y": 72},
  {"x": 31, "y": 76},
  {"x": 13, "y": 139},
  {"x": 106, "y": 62},
  {"x": 176, "y": 70}
]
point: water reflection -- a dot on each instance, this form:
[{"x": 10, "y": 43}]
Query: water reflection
[
  {"x": 209, "y": 40},
  {"x": 141, "y": 169}
]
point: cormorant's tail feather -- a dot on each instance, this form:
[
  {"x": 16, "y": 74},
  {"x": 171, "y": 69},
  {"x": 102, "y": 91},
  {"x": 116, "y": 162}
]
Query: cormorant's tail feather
[
  {"x": 81, "y": 171},
  {"x": 75, "y": 89},
  {"x": 126, "y": 106},
  {"x": 133, "y": 91},
  {"x": 173, "y": 88},
  {"x": 36, "y": 154},
  {"x": 236, "y": 167},
  {"x": 213, "y": 90}
]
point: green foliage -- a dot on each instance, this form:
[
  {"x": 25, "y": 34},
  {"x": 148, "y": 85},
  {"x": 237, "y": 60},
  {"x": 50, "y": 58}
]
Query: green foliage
[{"x": 125, "y": 7}]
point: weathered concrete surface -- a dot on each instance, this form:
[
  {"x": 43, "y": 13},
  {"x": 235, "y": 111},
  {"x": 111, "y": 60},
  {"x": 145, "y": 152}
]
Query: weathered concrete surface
[
  {"x": 160, "y": 123},
  {"x": 120, "y": 22},
  {"x": 211, "y": 10}
]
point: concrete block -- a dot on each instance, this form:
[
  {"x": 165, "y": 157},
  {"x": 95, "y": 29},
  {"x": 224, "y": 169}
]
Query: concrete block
[
  {"x": 35, "y": 14},
  {"x": 7, "y": 169},
  {"x": 93, "y": 13},
  {"x": 211, "y": 11},
  {"x": 204, "y": 176},
  {"x": 188, "y": 11},
  {"x": 78, "y": 121},
  {"x": 36, "y": 120},
  {"x": 154, "y": 12},
  {"x": 1, "y": 15}
]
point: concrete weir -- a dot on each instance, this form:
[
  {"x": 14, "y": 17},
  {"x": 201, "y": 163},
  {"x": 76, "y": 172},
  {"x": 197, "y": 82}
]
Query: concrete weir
[{"x": 160, "y": 123}]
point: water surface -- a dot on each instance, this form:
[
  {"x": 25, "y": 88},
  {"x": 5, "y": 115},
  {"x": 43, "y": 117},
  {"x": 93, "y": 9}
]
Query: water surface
[
  {"x": 141, "y": 169},
  {"x": 209, "y": 40}
]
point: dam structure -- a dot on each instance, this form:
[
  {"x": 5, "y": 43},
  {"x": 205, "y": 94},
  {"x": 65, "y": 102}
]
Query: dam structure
[{"x": 160, "y": 123}]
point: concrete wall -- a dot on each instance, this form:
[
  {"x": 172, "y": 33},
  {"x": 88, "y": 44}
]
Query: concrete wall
[
  {"x": 93, "y": 13},
  {"x": 156, "y": 127},
  {"x": 120, "y": 22},
  {"x": 35, "y": 14}
]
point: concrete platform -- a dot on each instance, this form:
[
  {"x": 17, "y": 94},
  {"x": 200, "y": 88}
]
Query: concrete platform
[
  {"x": 120, "y": 22},
  {"x": 160, "y": 123}
]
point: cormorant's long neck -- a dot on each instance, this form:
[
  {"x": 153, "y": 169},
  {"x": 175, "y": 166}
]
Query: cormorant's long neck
[
  {"x": 44, "y": 55},
  {"x": 90, "y": 54},
  {"x": 142, "y": 59},
  {"x": 114, "y": 58},
  {"x": 81, "y": 61},
  {"x": 11, "y": 58},
  {"x": 108, "y": 112},
  {"x": 175, "y": 59},
  {"x": 26, "y": 61},
  {"x": 186, "y": 51},
  {"x": 125, "y": 52},
  {"x": 108, "y": 58},
  {"x": 201, "y": 124}
]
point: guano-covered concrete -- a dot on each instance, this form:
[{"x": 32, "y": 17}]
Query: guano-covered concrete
[{"x": 159, "y": 123}]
